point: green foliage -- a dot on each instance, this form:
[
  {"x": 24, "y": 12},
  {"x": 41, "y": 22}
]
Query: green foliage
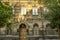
[
  {"x": 49, "y": 2},
  {"x": 54, "y": 15},
  {"x": 9, "y": 25},
  {"x": 54, "y": 12},
  {"x": 5, "y": 13}
]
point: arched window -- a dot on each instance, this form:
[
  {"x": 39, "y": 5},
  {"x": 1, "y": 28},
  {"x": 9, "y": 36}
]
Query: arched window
[
  {"x": 49, "y": 30},
  {"x": 48, "y": 26},
  {"x": 35, "y": 27}
]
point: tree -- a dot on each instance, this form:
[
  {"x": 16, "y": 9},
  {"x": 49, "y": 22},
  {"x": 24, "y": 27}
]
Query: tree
[
  {"x": 6, "y": 14},
  {"x": 53, "y": 16}
]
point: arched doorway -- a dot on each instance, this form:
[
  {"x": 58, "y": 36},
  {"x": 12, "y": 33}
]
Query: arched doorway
[
  {"x": 35, "y": 27},
  {"x": 22, "y": 32}
]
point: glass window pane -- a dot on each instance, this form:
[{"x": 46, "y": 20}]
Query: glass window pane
[
  {"x": 35, "y": 11},
  {"x": 23, "y": 10}
]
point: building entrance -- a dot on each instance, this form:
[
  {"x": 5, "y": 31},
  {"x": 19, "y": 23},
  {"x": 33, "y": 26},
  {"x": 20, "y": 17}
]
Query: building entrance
[{"x": 22, "y": 32}]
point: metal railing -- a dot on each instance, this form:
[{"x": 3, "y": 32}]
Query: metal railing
[
  {"x": 4, "y": 32},
  {"x": 32, "y": 33},
  {"x": 39, "y": 32}
]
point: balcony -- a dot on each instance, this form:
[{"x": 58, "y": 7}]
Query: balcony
[
  {"x": 32, "y": 33},
  {"x": 41, "y": 33}
]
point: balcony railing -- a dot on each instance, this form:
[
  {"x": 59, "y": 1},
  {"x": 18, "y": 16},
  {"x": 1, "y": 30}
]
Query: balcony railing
[
  {"x": 4, "y": 32},
  {"x": 32, "y": 33},
  {"x": 39, "y": 32}
]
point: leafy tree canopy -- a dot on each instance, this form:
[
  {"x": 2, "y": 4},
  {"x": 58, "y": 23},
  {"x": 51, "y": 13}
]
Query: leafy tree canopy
[
  {"x": 5, "y": 13},
  {"x": 54, "y": 11}
]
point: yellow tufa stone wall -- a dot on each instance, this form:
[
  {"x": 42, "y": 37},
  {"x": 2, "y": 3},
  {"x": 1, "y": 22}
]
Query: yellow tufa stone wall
[{"x": 28, "y": 4}]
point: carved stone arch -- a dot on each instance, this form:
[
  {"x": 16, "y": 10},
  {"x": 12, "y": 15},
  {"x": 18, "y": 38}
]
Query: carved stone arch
[
  {"x": 22, "y": 25},
  {"x": 35, "y": 25}
]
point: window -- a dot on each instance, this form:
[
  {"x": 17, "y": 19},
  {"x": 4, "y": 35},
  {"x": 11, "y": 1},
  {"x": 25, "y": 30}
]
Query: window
[
  {"x": 30, "y": 32},
  {"x": 13, "y": 9},
  {"x": 36, "y": 31},
  {"x": 23, "y": 10},
  {"x": 34, "y": 11}
]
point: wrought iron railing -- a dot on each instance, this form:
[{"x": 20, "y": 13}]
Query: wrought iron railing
[
  {"x": 39, "y": 32},
  {"x": 32, "y": 32}
]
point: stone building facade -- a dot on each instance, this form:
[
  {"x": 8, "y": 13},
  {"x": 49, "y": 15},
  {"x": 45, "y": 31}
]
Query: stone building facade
[{"x": 30, "y": 13}]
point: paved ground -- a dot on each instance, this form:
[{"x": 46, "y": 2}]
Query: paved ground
[
  {"x": 30, "y": 38},
  {"x": 16, "y": 37},
  {"x": 27, "y": 39}
]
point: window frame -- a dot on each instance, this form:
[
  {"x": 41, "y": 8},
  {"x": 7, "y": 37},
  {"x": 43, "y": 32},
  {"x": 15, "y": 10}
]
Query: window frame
[
  {"x": 34, "y": 11},
  {"x": 23, "y": 10}
]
